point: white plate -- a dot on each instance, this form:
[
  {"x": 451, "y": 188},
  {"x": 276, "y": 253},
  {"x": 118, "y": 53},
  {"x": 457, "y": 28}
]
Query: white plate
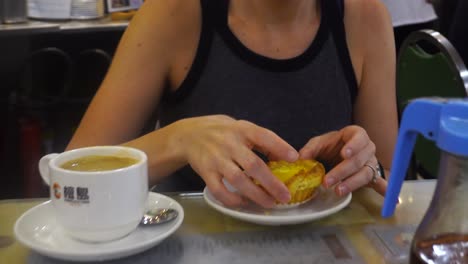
[
  {"x": 37, "y": 229},
  {"x": 325, "y": 204}
]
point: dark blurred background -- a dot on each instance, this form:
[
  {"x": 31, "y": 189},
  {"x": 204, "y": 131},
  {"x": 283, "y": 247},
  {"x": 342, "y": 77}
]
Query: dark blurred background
[{"x": 46, "y": 83}]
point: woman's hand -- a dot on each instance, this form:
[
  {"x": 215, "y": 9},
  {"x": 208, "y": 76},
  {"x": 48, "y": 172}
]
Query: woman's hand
[
  {"x": 220, "y": 147},
  {"x": 349, "y": 151}
]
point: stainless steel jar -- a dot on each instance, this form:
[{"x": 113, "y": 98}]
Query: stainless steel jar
[{"x": 87, "y": 9}]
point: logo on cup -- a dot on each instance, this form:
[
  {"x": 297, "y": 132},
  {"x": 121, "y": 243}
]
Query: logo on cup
[
  {"x": 56, "y": 188},
  {"x": 80, "y": 196},
  {"x": 71, "y": 194}
]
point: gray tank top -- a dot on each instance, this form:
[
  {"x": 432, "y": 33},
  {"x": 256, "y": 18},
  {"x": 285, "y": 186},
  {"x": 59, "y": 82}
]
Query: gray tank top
[{"x": 296, "y": 98}]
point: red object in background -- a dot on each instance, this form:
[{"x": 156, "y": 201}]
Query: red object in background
[{"x": 30, "y": 139}]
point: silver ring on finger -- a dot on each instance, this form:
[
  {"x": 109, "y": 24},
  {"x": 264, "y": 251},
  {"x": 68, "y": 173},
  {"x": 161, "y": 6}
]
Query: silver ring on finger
[{"x": 375, "y": 172}]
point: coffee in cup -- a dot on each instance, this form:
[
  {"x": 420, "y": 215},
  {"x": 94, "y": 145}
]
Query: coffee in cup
[
  {"x": 98, "y": 193},
  {"x": 98, "y": 163}
]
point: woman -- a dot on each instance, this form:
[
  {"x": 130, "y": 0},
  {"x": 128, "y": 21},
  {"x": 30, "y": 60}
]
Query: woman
[{"x": 237, "y": 81}]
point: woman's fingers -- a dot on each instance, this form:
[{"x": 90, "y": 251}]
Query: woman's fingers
[
  {"x": 354, "y": 182},
  {"x": 350, "y": 167},
  {"x": 364, "y": 177},
  {"x": 235, "y": 176},
  {"x": 218, "y": 189},
  {"x": 256, "y": 168},
  {"x": 245, "y": 185},
  {"x": 349, "y": 149},
  {"x": 356, "y": 151},
  {"x": 267, "y": 142},
  {"x": 323, "y": 146},
  {"x": 224, "y": 149},
  {"x": 380, "y": 186},
  {"x": 355, "y": 139}
]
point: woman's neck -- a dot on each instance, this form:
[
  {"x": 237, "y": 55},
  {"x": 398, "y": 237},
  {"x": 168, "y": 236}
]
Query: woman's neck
[{"x": 275, "y": 12}]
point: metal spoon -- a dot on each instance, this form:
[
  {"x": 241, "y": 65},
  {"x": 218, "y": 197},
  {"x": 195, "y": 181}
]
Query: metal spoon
[{"x": 158, "y": 216}]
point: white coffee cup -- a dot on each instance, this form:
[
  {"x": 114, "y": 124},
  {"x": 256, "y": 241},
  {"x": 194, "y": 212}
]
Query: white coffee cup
[{"x": 97, "y": 206}]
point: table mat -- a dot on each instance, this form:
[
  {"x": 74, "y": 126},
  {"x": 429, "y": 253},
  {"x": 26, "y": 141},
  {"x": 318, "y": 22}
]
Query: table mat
[{"x": 296, "y": 246}]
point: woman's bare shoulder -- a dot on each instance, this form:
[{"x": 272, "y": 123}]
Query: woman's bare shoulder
[
  {"x": 368, "y": 23},
  {"x": 368, "y": 27},
  {"x": 168, "y": 18},
  {"x": 367, "y": 14}
]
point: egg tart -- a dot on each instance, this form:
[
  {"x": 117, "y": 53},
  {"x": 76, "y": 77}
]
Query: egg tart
[{"x": 302, "y": 178}]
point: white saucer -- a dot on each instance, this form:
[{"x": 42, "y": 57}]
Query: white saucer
[
  {"x": 37, "y": 229},
  {"x": 325, "y": 204}
]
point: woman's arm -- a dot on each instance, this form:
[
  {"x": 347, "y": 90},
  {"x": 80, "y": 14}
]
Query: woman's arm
[
  {"x": 372, "y": 139},
  {"x": 376, "y": 108},
  {"x": 134, "y": 84}
]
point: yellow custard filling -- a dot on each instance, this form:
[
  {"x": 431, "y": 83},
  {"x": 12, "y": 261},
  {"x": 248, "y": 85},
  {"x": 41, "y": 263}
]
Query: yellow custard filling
[{"x": 301, "y": 177}]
